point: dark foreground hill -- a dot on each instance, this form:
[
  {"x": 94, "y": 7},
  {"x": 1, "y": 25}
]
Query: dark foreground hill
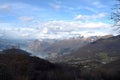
[
  {"x": 109, "y": 71},
  {"x": 16, "y": 64}
]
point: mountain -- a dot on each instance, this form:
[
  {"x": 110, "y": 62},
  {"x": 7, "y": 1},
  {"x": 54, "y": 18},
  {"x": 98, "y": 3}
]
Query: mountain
[
  {"x": 49, "y": 48},
  {"x": 109, "y": 71},
  {"x": 38, "y": 47},
  {"x": 16, "y": 64},
  {"x": 55, "y": 48},
  {"x": 107, "y": 48},
  {"x": 14, "y": 51}
]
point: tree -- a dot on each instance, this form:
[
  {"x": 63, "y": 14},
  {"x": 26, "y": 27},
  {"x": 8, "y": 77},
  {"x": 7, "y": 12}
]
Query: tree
[{"x": 116, "y": 15}]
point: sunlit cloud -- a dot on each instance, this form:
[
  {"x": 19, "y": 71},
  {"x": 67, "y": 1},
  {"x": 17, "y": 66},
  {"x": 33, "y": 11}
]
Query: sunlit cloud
[
  {"x": 89, "y": 33},
  {"x": 88, "y": 17},
  {"x": 57, "y": 29}
]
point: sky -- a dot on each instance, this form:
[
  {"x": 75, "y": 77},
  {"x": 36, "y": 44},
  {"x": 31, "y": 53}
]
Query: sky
[{"x": 54, "y": 19}]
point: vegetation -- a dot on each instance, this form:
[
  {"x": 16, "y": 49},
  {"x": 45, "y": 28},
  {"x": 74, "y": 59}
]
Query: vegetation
[
  {"x": 104, "y": 58},
  {"x": 102, "y": 50},
  {"x": 16, "y": 64}
]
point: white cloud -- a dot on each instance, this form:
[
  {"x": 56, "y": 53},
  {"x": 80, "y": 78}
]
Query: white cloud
[
  {"x": 90, "y": 33},
  {"x": 88, "y": 17},
  {"x": 96, "y": 25},
  {"x": 63, "y": 29},
  {"x": 94, "y": 33},
  {"x": 5, "y": 7},
  {"x": 25, "y": 35},
  {"x": 13, "y": 32},
  {"x": 49, "y": 36},
  {"x": 61, "y": 26},
  {"x": 56, "y": 29},
  {"x": 72, "y": 25},
  {"x": 26, "y": 18},
  {"x": 45, "y": 30}
]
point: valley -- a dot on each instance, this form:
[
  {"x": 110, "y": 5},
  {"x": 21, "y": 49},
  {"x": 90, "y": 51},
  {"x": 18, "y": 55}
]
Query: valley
[{"x": 91, "y": 61}]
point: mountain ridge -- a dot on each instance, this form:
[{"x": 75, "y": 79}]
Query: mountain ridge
[{"x": 109, "y": 46}]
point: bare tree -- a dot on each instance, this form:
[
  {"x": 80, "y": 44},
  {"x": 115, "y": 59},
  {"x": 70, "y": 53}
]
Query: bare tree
[{"x": 116, "y": 16}]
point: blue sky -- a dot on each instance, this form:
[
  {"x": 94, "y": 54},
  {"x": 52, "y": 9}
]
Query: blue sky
[{"x": 54, "y": 19}]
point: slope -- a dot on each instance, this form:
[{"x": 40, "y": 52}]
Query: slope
[
  {"x": 17, "y": 64},
  {"x": 107, "y": 47}
]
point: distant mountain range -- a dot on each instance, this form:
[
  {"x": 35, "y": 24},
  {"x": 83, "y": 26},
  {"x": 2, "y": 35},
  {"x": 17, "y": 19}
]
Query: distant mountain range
[
  {"x": 105, "y": 49},
  {"x": 50, "y": 48},
  {"x": 55, "y": 48},
  {"x": 16, "y": 64}
]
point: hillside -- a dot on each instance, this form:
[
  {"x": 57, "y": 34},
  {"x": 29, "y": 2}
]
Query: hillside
[
  {"x": 109, "y": 71},
  {"x": 108, "y": 48},
  {"x": 49, "y": 48},
  {"x": 17, "y": 64},
  {"x": 56, "y": 48}
]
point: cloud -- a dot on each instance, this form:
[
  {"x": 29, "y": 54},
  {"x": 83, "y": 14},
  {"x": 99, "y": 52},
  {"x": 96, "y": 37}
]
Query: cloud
[
  {"x": 55, "y": 6},
  {"x": 17, "y": 33},
  {"x": 5, "y": 7},
  {"x": 88, "y": 17},
  {"x": 22, "y": 9},
  {"x": 90, "y": 9},
  {"x": 56, "y": 27},
  {"x": 25, "y": 35},
  {"x": 1, "y": 35},
  {"x": 89, "y": 33},
  {"x": 56, "y": 30},
  {"x": 45, "y": 30},
  {"x": 66, "y": 29},
  {"x": 98, "y": 4},
  {"x": 61, "y": 26},
  {"x": 50, "y": 36},
  {"x": 96, "y": 25},
  {"x": 26, "y": 18},
  {"x": 72, "y": 25}
]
